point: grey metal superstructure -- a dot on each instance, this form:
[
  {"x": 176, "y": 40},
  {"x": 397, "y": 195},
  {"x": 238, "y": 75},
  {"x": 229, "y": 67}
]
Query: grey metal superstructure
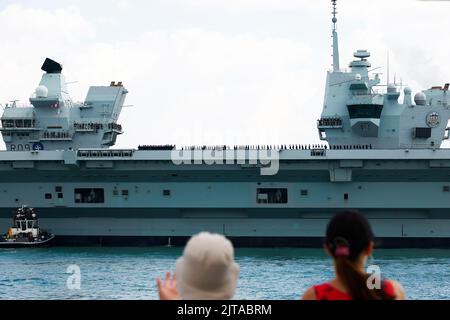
[
  {"x": 55, "y": 122},
  {"x": 382, "y": 156}
]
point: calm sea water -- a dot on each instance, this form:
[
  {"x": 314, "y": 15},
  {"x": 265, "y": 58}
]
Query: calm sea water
[{"x": 129, "y": 273}]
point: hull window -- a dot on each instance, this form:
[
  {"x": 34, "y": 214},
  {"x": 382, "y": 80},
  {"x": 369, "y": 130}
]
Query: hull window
[
  {"x": 89, "y": 195},
  {"x": 422, "y": 133},
  {"x": 272, "y": 196}
]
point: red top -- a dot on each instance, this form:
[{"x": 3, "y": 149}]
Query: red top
[{"x": 327, "y": 292}]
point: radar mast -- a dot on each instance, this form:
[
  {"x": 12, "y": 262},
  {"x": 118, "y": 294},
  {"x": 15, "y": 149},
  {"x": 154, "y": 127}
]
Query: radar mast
[{"x": 336, "y": 66}]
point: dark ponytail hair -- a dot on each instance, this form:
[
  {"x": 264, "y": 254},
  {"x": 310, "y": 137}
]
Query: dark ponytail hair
[{"x": 348, "y": 235}]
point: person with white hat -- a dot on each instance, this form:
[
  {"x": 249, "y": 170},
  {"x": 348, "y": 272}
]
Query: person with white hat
[{"x": 206, "y": 271}]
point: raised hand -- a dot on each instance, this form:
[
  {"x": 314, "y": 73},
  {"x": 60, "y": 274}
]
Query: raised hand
[{"x": 168, "y": 288}]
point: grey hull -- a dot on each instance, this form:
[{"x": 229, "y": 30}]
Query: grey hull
[
  {"x": 267, "y": 232},
  {"x": 240, "y": 242}
]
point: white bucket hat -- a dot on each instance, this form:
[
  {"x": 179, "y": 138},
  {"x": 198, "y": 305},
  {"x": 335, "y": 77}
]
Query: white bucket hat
[{"x": 207, "y": 270}]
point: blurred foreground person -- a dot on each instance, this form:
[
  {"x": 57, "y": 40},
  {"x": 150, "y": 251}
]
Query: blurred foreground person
[
  {"x": 350, "y": 241},
  {"x": 206, "y": 271}
]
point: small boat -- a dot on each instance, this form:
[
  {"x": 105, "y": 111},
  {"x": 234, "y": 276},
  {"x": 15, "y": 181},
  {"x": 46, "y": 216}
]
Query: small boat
[{"x": 25, "y": 231}]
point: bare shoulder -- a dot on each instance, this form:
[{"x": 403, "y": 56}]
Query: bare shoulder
[
  {"x": 399, "y": 291},
  {"x": 310, "y": 294}
]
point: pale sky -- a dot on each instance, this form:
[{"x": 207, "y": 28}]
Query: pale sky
[{"x": 217, "y": 71}]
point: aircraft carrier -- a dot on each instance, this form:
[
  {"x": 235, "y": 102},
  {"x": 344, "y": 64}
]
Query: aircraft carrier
[{"x": 381, "y": 155}]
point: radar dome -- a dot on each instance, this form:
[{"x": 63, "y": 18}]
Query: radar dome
[
  {"x": 420, "y": 99},
  {"x": 407, "y": 90},
  {"x": 41, "y": 92}
]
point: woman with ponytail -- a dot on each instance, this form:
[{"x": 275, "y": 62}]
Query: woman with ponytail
[{"x": 350, "y": 241}]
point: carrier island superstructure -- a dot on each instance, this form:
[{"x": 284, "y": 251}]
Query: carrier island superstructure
[{"x": 381, "y": 156}]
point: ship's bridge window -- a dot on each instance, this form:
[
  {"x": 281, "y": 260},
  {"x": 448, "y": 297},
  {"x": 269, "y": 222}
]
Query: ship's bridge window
[
  {"x": 89, "y": 195},
  {"x": 365, "y": 111},
  {"x": 272, "y": 196},
  {"x": 8, "y": 123},
  {"x": 18, "y": 123}
]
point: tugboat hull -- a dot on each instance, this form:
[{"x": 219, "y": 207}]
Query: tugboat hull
[{"x": 26, "y": 244}]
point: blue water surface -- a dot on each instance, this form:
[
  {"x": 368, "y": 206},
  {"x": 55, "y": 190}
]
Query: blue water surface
[{"x": 129, "y": 273}]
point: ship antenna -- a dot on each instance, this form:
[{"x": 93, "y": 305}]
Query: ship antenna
[
  {"x": 388, "y": 68},
  {"x": 335, "y": 38}
]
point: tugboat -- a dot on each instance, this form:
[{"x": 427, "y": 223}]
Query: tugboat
[{"x": 25, "y": 232}]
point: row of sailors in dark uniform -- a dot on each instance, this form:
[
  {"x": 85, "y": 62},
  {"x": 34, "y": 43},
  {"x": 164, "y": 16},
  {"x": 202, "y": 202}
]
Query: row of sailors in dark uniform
[
  {"x": 352, "y": 147},
  {"x": 56, "y": 135},
  {"x": 158, "y": 148},
  {"x": 330, "y": 122},
  {"x": 284, "y": 147},
  {"x": 96, "y": 126},
  {"x": 257, "y": 147}
]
